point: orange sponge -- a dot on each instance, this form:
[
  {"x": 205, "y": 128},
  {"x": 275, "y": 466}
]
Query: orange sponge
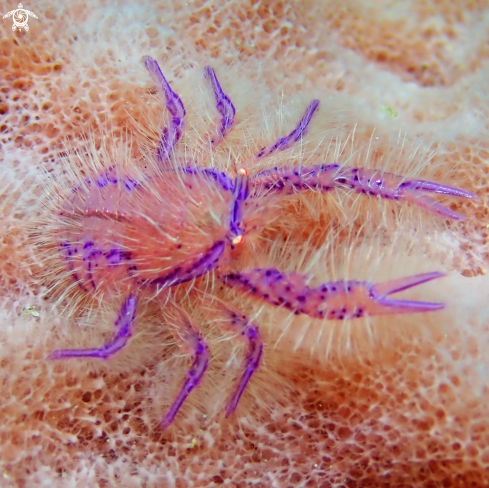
[{"x": 395, "y": 401}]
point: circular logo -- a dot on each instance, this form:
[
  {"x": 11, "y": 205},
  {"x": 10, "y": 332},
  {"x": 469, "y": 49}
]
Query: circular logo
[{"x": 20, "y": 16}]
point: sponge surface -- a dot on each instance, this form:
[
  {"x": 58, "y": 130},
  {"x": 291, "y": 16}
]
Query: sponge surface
[{"x": 398, "y": 402}]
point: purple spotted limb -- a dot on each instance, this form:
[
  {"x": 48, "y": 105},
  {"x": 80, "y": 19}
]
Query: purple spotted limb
[
  {"x": 240, "y": 195},
  {"x": 334, "y": 300},
  {"x": 248, "y": 332},
  {"x": 325, "y": 177},
  {"x": 192, "y": 270},
  {"x": 191, "y": 341},
  {"x": 223, "y": 103},
  {"x": 298, "y": 133},
  {"x": 124, "y": 329},
  {"x": 225, "y": 181},
  {"x": 170, "y": 135},
  {"x": 371, "y": 182}
]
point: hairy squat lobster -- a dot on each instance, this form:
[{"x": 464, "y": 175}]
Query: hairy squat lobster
[{"x": 145, "y": 237}]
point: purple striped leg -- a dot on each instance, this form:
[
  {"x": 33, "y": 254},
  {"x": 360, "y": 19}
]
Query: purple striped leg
[
  {"x": 334, "y": 300},
  {"x": 241, "y": 193},
  {"x": 124, "y": 328},
  {"x": 191, "y": 341},
  {"x": 298, "y": 133},
  {"x": 208, "y": 261},
  {"x": 372, "y": 182},
  {"x": 223, "y": 103},
  {"x": 248, "y": 331},
  {"x": 225, "y": 181},
  {"x": 174, "y": 105}
]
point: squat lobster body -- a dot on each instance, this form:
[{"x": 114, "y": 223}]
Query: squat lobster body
[
  {"x": 125, "y": 232},
  {"x": 135, "y": 237}
]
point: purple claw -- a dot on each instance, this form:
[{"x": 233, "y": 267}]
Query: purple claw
[
  {"x": 411, "y": 191},
  {"x": 436, "y": 188},
  {"x": 371, "y": 182},
  {"x": 391, "y": 186},
  {"x": 335, "y": 300},
  {"x": 380, "y": 292}
]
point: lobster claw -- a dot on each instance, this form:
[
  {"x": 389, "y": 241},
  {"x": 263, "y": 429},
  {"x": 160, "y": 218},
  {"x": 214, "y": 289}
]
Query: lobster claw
[
  {"x": 411, "y": 191},
  {"x": 383, "y": 305}
]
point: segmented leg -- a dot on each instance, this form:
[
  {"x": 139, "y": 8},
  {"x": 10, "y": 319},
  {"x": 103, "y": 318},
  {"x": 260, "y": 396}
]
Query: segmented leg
[
  {"x": 237, "y": 322},
  {"x": 222, "y": 178},
  {"x": 373, "y": 182},
  {"x": 170, "y": 135},
  {"x": 192, "y": 342},
  {"x": 334, "y": 300},
  {"x": 299, "y": 132},
  {"x": 181, "y": 274},
  {"x": 124, "y": 328},
  {"x": 223, "y": 103},
  {"x": 241, "y": 193}
]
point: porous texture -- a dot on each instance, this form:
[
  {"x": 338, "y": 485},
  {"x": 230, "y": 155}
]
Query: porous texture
[{"x": 401, "y": 401}]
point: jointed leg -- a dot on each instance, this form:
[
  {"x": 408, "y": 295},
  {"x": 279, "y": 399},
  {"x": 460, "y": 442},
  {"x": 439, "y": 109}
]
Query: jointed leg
[
  {"x": 334, "y": 300},
  {"x": 223, "y": 103},
  {"x": 237, "y": 322},
  {"x": 241, "y": 193},
  {"x": 192, "y": 342},
  {"x": 299, "y": 132},
  {"x": 225, "y": 181},
  {"x": 325, "y": 177},
  {"x": 206, "y": 262},
  {"x": 170, "y": 135},
  {"x": 373, "y": 182},
  {"x": 124, "y": 328}
]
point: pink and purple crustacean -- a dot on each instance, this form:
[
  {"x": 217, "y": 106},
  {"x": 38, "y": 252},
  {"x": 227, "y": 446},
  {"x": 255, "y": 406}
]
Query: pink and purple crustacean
[{"x": 114, "y": 232}]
